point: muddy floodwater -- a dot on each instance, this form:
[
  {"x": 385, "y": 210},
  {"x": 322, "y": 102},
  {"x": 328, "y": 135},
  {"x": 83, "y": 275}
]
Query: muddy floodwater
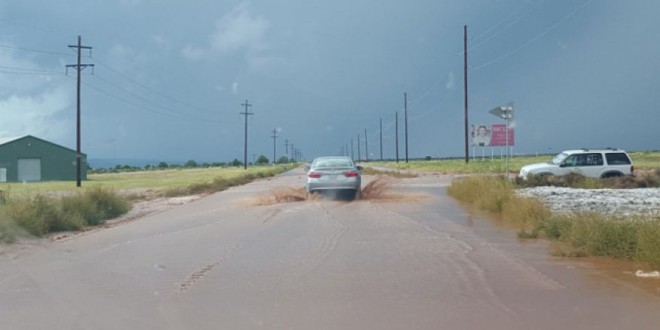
[{"x": 264, "y": 256}]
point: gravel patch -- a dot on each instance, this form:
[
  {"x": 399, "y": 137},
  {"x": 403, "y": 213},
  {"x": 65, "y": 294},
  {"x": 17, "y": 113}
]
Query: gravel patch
[{"x": 620, "y": 202}]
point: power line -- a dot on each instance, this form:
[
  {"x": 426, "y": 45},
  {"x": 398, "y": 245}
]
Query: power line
[
  {"x": 35, "y": 50},
  {"x": 143, "y": 99},
  {"x": 154, "y": 110},
  {"x": 147, "y": 88},
  {"x": 538, "y": 36},
  {"x": 507, "y": 20}
]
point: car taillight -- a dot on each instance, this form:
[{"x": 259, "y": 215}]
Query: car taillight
[
  {"x": 351, "y": 174},
  {"x": 314, "y": 175}
]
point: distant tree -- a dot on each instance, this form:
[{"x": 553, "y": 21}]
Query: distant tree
[
  {"x": 163, "y": 165},
  {"x": 283, "y": 160},
  {"x": 147, "y": 167},
  {"x": 191, "y": 163},
  {"x": 262, "y": 160},
  {"x": 236, "y": 162}
]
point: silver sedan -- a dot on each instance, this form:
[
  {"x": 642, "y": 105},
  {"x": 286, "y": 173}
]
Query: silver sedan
[{"x": 336, "y": 175}]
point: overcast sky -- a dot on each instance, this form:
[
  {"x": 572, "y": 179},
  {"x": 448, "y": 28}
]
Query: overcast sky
[{"x": 170, "y": 76}]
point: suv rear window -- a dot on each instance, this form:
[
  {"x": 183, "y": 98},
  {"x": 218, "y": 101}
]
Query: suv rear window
[{"x": 617, "y": 158}]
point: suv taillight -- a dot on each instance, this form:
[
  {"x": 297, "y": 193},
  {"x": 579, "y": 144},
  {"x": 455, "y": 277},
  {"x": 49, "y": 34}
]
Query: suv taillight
[
  {"x": 351, "y": 174},
  {"x": 314, "y": 175}
]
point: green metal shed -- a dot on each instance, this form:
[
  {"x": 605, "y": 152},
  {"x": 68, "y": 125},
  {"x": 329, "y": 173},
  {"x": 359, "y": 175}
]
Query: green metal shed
[{"x": 29, "y": 159}]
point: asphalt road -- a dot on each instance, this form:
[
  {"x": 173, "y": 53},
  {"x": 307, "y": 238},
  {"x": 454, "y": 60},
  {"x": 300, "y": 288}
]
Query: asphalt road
[{"x": 417, "y": 260}]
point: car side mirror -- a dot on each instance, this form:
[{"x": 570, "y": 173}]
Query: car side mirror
[{"x": 360, "y": 168}]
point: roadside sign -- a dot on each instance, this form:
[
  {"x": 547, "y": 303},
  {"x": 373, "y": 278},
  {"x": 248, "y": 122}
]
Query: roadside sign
[{"x": 503, "y": 111}]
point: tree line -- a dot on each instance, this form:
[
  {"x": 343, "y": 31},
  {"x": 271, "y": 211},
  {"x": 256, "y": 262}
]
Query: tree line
[{"x": 260, "y": 161}]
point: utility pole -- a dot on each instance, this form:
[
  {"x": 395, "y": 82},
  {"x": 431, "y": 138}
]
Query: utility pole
[
  {"x": 405, "y": 114},
  {"x": 286, "y": 148},
  {"x": 358, "y": 141},
  {"x": 246, "y": 113},
  {"x": 381, "y": 139},
  {"x": 366, "y": 146},
  {"x": 352, "y": 153},
  {"x": 465, "y": 88},
  {"x": 274, "y": 145},
  {"x": 396, "y": 135},
  {"x": 292, "y": 155},
  {"x": 79, "y": 67}
]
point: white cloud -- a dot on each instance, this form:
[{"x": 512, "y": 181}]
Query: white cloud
[
  {"x": 234, "y": 88},
  {"x": 192, "y": 53},
  {"x": 37, "y": 114},
  {"x": 450, "y": 82},
  {"x": 239, "y": 30},
  {"x": 162, "y": 42},
  {"x": 562, "y": 44},
  {"x": 32, "y": 104}
]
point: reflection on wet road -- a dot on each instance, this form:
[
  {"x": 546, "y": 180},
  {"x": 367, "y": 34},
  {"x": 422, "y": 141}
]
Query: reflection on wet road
[{"x": 233, "y": 261}]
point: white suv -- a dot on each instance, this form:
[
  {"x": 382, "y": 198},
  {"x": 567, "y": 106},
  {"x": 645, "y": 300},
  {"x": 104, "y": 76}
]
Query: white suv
[{"x": 591, "y": 163}]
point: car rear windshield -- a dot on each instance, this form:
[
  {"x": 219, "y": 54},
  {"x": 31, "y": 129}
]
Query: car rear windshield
[
  {"x": 329, "y": 163},
  {"x": 617, "y": 158}
]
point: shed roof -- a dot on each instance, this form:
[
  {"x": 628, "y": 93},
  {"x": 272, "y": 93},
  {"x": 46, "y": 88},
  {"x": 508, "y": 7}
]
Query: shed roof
[{"x": 5, "y": 140}]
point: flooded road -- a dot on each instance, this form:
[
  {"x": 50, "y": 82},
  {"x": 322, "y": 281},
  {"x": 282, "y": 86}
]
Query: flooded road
[{"x": 410, "y": 258}]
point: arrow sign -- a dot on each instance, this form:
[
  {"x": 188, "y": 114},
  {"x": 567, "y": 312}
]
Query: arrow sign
[{"x": 503, "y": 111}]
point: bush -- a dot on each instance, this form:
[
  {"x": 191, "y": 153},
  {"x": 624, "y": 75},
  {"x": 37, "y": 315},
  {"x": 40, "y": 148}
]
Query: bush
[
  {"x": 645, "y": 179},
  {"x": 648, "y": 244},
  {"x": 9, "y": 230},
  {"x": 528, "y": 213},
  {"x": 91, "y": 208},
  {"x": 39, "y": 214},
  {"x": 34, "y": 214},
  {"x": 485, "y": 192}
]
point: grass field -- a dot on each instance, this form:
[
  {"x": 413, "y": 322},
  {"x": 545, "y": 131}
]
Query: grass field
[
  {"x": 159, "y": 181},
  {"x": 641, "y": 160}
]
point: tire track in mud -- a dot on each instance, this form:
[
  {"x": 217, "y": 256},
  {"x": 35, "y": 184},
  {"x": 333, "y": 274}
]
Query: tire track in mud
[
  {"x": 470, "y": 274},
  {"x": 333, "y": 231},
  {"x": 193, "y": 278},
  {"x": 196, "y": 276},
  {"x": 330, "y": 244}
]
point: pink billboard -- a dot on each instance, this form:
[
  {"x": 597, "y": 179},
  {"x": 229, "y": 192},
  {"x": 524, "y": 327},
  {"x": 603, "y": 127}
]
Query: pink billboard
[
  {"x": 491, "y": 135},
  {"x": 499, "y": 135}
]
